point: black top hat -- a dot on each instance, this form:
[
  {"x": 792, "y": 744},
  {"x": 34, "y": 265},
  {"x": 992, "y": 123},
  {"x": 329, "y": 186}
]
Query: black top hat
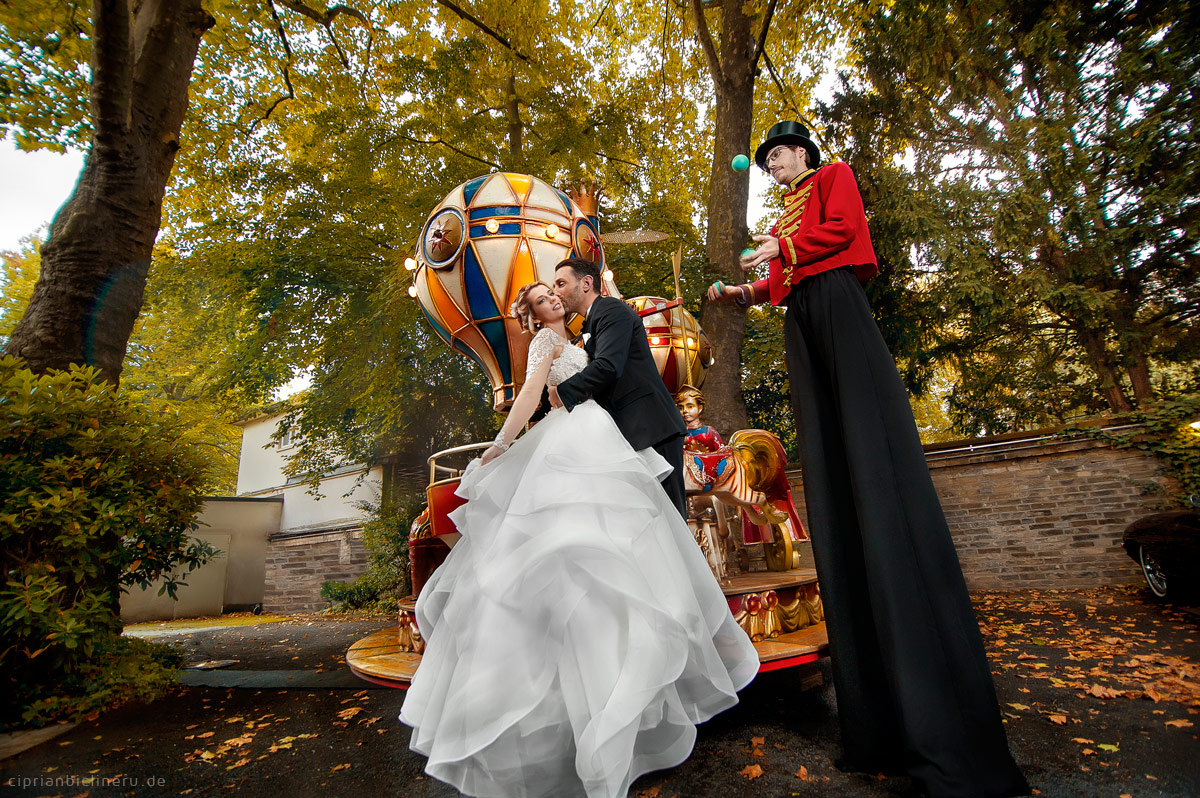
[{"x": 787, "y": 132}]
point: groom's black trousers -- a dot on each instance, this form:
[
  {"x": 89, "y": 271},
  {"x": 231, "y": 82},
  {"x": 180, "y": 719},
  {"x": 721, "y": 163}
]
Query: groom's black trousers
[
  {"x": 914, "y": 688},
  {"x": 672, "y": 451}
]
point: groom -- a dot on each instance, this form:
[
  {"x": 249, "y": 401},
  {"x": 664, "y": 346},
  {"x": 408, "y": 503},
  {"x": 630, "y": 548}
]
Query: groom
[{"x": 621, "y": 375}]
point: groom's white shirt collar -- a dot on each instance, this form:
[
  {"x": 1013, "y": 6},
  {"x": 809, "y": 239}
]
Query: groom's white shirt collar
[{"x": 587, "y": 336}]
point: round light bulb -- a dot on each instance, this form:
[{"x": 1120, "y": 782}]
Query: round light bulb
[
  {"x": 551, "y": 231},
  {"x": 608, "y": 274},
  {"x": 410, "y": 264},
  {"x": 412, "y": 291},
  {"x": 491, "y": 225}
]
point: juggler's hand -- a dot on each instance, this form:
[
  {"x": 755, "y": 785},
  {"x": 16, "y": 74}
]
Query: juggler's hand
[
  {"x": 768, "y": 250},
  {"x": 719, "y": 292}
]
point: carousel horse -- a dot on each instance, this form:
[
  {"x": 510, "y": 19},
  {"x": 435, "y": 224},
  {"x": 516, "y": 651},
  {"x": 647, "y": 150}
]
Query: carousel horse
[{"x": 749, "y": 474}]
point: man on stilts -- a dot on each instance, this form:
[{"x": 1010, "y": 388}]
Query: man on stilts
[{"x": 914, "y": 688}]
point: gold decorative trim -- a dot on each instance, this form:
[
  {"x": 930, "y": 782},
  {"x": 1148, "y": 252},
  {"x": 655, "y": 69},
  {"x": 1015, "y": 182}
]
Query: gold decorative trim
[
  {"x": 408, "y": 635},
  {"x": 763, "y": 617}
]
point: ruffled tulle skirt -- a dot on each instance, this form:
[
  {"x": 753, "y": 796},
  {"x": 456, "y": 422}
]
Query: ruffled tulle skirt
[{"x": 575, "y": 634}]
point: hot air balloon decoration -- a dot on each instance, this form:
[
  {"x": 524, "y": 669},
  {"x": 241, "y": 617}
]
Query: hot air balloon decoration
[
  {"x": 489, "y": 237},
  {"x": 680, "y": 348}
]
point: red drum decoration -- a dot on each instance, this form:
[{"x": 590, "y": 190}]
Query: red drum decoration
[{"x": 681, "y": 349}]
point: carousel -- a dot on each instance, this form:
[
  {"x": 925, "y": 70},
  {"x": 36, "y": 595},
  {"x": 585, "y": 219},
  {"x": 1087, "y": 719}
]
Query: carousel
[{"x": 481, "y": 244}]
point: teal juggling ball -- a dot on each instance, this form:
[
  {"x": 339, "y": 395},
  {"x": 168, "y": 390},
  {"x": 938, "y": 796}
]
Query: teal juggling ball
[
  {"x": 746, "y": 251},
  {"x": 740, "y": 163}
]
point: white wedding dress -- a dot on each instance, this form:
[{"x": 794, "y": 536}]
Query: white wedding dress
[{"x": 575, "y": 634}]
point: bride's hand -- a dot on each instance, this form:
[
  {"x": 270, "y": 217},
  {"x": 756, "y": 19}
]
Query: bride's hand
[{"x": 491, "y": 454}]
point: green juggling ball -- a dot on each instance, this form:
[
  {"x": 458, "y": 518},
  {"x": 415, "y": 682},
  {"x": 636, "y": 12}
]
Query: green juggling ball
[{"x": 740, "y": 163}]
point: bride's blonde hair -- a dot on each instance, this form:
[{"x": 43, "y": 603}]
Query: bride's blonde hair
[{"x": 522, "y": 310}]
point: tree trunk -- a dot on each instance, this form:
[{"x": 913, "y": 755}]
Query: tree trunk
[
  {"x": 97, "y": 257},
  {"x": 1139, "y": 379},
  {"x": 729, "y": 195},
  {"x": 1108, "y": 378}
]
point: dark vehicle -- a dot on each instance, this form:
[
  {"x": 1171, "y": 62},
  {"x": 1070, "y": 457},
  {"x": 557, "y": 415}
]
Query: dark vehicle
[{"x": 1167, "y": 546}]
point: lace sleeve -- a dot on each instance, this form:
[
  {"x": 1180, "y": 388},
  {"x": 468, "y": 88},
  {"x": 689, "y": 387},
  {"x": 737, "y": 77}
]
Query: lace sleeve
[{"x": 540, "y": 348}]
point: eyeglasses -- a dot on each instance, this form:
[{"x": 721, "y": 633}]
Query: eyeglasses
[{"x": 774, "y": 154}]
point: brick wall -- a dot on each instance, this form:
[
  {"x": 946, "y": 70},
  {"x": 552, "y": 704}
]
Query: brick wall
[
  {"x": 298, "y": 565},
  {"x": 1039, "y": 512},
  {"x": 1025, "y": 512}
]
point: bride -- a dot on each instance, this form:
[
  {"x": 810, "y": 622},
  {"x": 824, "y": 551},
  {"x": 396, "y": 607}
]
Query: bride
[{"x": 574, "y": 635}]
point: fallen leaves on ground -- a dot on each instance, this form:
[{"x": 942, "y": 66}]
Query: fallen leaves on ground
[
  {"x": 1100, "y": 691},
  {"x": 751, "y": 772},
  {"x": 1098, "y": 649}
]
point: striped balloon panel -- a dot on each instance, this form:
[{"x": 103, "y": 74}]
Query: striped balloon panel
[{"x": 514, "y": 229}]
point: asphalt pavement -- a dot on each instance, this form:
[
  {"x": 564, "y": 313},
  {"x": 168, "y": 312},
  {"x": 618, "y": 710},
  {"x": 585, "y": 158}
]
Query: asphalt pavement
[{"x": 1100, "y": 690}]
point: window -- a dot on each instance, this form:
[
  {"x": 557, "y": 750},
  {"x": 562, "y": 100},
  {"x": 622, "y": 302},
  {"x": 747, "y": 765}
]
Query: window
[{"x": 288, "y": 439}]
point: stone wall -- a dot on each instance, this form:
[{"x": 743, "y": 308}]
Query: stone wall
[
  {"x": 298, "y": 564},
  {"x": 1036, "y": 511}
]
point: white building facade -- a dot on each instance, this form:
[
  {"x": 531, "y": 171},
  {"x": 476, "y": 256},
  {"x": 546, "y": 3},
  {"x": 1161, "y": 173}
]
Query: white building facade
[
  {"x": 279, "y": 542},
  {"x": 319, "y": 537}
]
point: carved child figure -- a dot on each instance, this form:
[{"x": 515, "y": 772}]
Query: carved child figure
[
  {"x": 700, "y": 437},
  {"x": 706, "y": 515}
]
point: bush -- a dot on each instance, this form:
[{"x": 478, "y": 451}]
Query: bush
[
  {"x": 343, "y": 596},
  {"x": 100, "y": 493},
  {"x": 119, "y": 669}
]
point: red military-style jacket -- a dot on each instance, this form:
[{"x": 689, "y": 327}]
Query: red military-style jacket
[{"x": 823, "y": 227}]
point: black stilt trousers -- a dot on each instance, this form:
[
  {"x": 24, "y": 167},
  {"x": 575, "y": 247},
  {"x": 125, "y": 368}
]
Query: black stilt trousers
[{"x": 914, "y": 688}]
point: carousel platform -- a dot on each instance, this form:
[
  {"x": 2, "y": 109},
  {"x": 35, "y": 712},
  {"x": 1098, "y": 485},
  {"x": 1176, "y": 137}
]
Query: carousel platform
[{"x": 765, "y": 603}]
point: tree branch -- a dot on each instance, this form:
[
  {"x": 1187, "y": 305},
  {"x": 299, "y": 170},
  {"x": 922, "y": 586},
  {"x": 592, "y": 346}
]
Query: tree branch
[
  {"x": 287, "y": 75},
  {"x": 469, "y": 17},
  {"x": 762, "y": 36},
  {"x": 325, "y": 19},
  {"x": 596, "y": 22},
  {"x": 706, "y": 42},
  {"x": 608, "y": 157},
  {"x": 327, "y": 16},
  {"x": 449, "y": 146},
  {"x": 782, "y": 91}
]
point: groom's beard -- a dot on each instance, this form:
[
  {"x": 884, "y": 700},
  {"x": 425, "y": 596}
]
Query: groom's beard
[{"x": 571, "y": 302}]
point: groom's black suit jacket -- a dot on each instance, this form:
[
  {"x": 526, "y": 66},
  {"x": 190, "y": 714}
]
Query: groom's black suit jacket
[{"x": 623, "y": 379}]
